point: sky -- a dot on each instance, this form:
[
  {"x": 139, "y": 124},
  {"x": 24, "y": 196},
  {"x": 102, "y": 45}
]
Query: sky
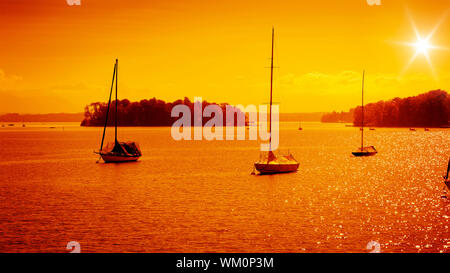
[{"x": 58, "y": 58}]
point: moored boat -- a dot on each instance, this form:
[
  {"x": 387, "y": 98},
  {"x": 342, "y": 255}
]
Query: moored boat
[
  {"x": 116, "y": 152},
  {"x": 446, "y": 177},
  {"x": 272, "y": 164},
  {"x": 364, "y": 151},
  {"x": 277, "y": 164}
]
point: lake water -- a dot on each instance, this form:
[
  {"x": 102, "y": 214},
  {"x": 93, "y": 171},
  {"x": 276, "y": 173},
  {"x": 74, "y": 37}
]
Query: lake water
[{"x": 200, "y": 196}]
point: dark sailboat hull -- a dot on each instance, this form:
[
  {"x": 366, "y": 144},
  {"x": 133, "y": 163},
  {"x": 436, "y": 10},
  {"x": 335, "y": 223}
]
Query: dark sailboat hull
[
  {"x": 364, "y": 153},
  {"x": 264, "y": 168},
  {"x": 111, "y": 158}
]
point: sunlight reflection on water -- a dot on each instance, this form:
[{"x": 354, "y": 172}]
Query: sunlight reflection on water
[{"x": 195, "y": 196}]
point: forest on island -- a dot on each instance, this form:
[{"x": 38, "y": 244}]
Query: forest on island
[
  {"x": 431, "y": 109},
  {"x": 152, "y": 112}
]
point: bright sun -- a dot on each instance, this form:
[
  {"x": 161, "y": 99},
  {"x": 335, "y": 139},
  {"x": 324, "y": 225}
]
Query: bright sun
[{"x": 422, "y": 45}]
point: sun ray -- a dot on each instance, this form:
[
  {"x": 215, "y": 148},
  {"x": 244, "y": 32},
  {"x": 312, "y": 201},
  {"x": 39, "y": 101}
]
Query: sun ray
[{"x": 438, "y": 24}]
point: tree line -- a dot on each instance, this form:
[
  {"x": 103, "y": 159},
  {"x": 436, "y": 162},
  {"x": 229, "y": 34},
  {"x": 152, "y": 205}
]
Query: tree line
[
  {"x": 342, "y": 116},
  {"x": 152, "y": 112},
  {"x": 431, "y": 109}
]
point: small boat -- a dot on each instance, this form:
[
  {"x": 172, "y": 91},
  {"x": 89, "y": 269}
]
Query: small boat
[
  {"x": 372, "y": 129},
  {"x": 300, "y": 127},
  {"x": 277, "y": 164},
  {"x": 250, "y": 124},
  {"x": 272, "y": 164},
  {"x": 412, "y": 129},
  {"x": 364, "y": 151},
  {"x": 426, "y": 129},
  {"x": 117, "y": 151},
  {"x": 446, "y": 177}
]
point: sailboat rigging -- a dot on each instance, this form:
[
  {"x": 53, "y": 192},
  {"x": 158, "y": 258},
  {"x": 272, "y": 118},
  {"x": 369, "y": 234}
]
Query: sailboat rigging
[
  {"x": 117, "y": 151},
  {"x": 273, "y": 164},
  {"x": 364, "y": 151}
]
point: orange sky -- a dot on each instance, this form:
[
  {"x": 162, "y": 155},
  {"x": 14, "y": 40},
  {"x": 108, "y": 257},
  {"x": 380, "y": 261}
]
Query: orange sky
[{"x": 58, "y": 58}]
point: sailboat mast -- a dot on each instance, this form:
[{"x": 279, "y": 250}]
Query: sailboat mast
[
  {"x": 271, "y": 83},
  {"x": 448, "y": 169},
  {"x": 115, "y": 123},
  {"x": 107, "y": 110},
  {"x": 362, "y": 108}
]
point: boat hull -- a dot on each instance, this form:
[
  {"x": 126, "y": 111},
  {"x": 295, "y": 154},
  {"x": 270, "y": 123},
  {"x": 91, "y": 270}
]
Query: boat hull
[
  {"x": 265, "y": 168},
  {"x": 364, "y": 153},
  {"x": 108, "y": 158}
]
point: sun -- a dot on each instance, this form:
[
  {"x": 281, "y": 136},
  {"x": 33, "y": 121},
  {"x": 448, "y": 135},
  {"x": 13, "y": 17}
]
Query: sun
[{"x": 422, "y": 45}]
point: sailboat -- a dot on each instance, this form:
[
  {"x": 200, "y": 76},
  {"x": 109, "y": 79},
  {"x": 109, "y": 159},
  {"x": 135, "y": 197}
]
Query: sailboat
[
  {"x": 300, "y": 126},
  {"x": 270, "y": 163},
  {"x": 364, "y": 151},
  {"x": 117, "y": 151},
  {"x": 446, "y": 177}
]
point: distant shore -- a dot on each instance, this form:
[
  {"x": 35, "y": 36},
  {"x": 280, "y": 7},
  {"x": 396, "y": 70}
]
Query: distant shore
[
  {"x": 349, "y": 124},
  {"x": 51, "y": 117}
]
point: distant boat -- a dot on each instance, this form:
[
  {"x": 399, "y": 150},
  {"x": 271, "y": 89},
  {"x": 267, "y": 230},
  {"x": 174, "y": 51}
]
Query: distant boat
[
  {"x": 270, "y": 163},
  {"x": 250, "y": 124},
  {"x": 364, "y": 151},
  {"x": 372, "y": 129},
  {"x": 412, "y": 129},
  {"x": 426, "y": 129},
  {"x": 117, "y": 151},
  {"x": 300, "y": 126}
]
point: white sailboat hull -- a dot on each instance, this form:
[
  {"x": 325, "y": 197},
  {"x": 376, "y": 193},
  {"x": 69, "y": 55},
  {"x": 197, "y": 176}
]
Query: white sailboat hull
[{"x": 273, "y": 168}]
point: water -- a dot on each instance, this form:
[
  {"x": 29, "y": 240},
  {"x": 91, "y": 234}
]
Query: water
[{"x": 199, "y": 196}]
